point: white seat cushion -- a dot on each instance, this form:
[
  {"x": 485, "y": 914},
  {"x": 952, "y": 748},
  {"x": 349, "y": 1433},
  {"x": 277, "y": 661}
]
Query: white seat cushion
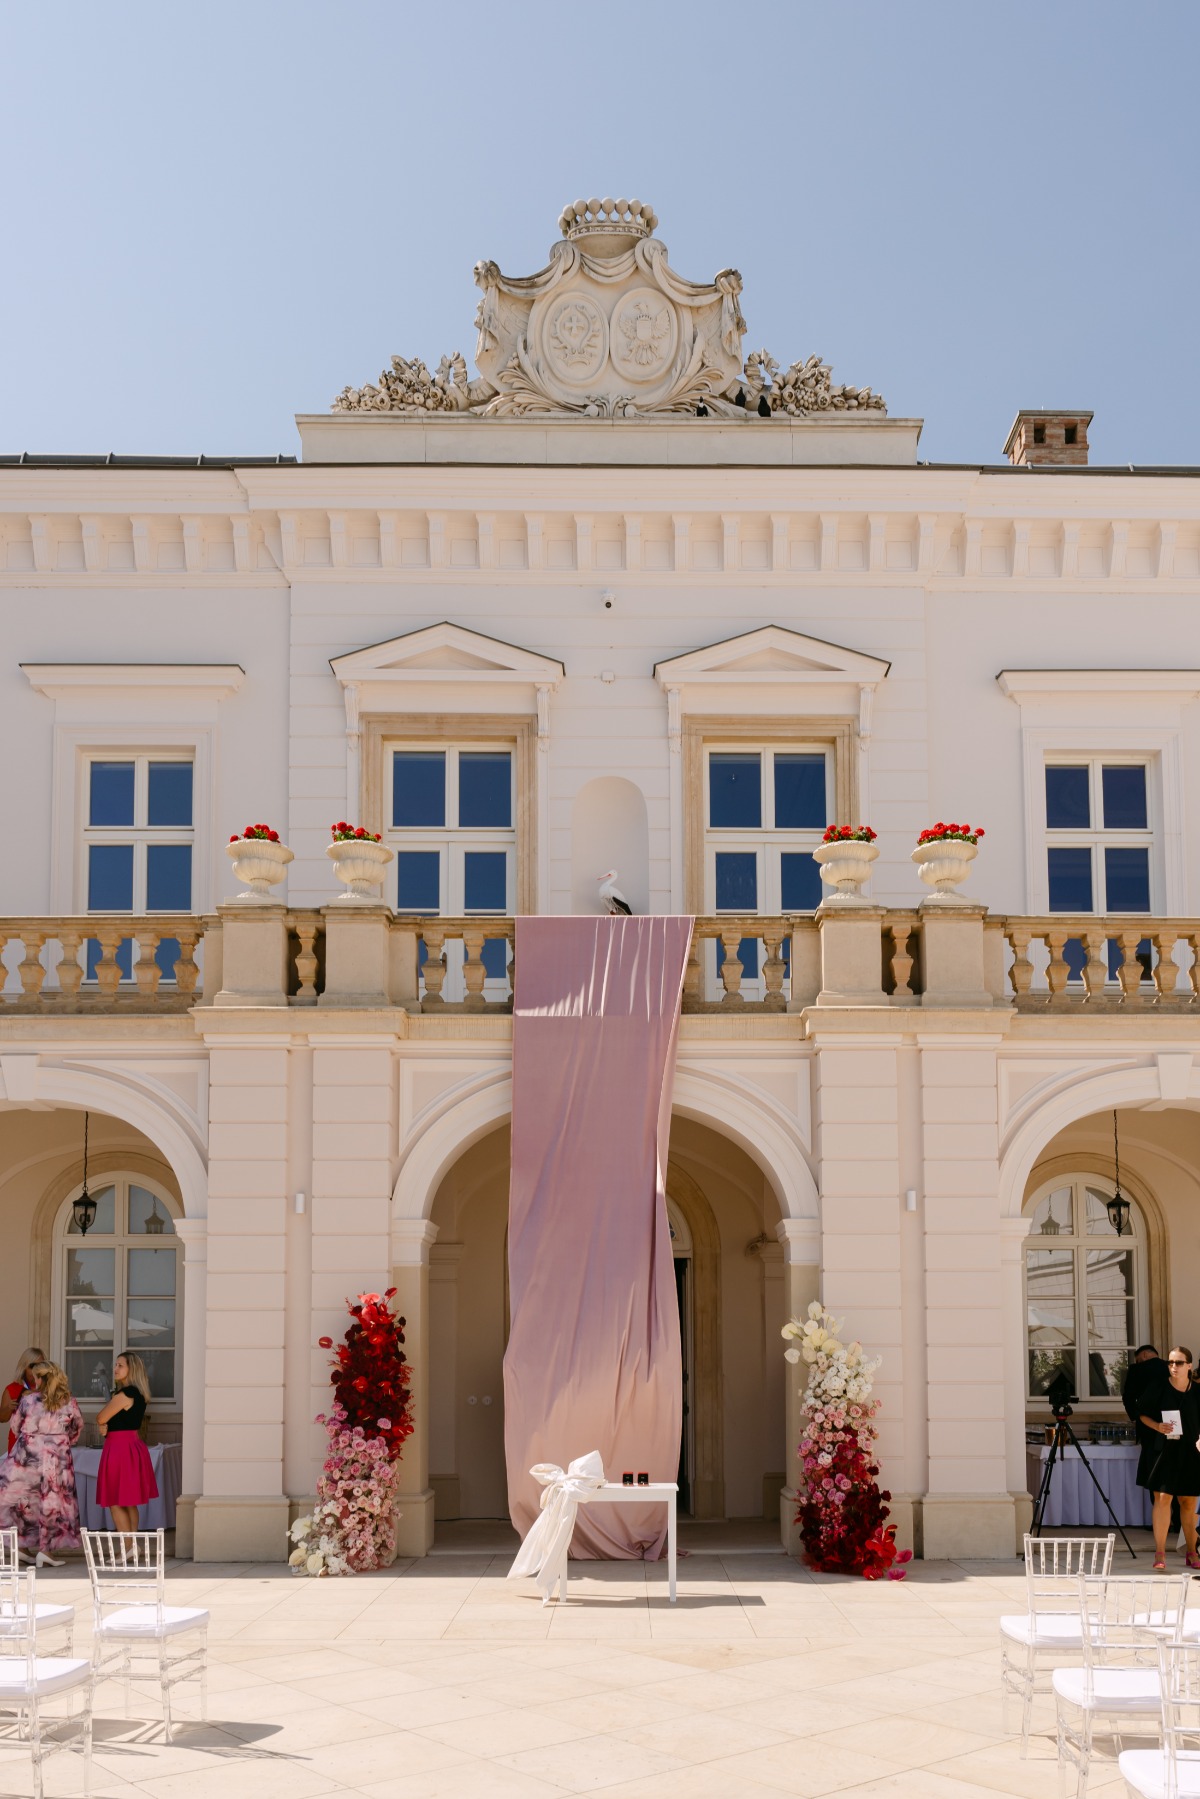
[
  {"x": 144, "y": 1621},
  {"x": 1146, "y": 1772},
  {"x": 11, "y": 1622},
  {"x": 1114, "y": 1689},
  {"x": 1043, "y": 1630},
  {"x": 52, "y": 1675}
]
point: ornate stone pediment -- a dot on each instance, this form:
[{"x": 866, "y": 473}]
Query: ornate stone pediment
[{"x": 608, "y": 330}]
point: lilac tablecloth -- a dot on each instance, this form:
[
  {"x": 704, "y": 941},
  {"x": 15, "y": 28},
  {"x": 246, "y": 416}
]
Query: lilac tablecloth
[
  {"x": 1074, "y": 1500},
  {"x": 167, "y": 1461}
]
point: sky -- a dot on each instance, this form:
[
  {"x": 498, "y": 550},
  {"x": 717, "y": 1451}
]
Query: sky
[{"x": 218, "y": 215}]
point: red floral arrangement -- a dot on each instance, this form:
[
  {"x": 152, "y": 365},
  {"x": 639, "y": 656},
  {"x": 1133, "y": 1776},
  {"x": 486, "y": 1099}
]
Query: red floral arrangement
[
  {"x": 940, "y": 833},
  {"x": 370, "y": 1375},
  {"x": 263, "y": 832},
  {"x": 848, "y": 834},
  {"x": 342, "y": 833}
]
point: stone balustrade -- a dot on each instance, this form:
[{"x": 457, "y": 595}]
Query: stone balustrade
[{"x": 370, "y": 957}]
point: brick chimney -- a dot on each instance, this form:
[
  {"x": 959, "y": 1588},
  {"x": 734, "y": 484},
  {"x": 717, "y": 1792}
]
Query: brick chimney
[{"x": 1049, "y": 440}]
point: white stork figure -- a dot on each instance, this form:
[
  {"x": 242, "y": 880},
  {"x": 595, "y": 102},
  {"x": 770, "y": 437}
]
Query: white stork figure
[{"x": 611, "y": 897}]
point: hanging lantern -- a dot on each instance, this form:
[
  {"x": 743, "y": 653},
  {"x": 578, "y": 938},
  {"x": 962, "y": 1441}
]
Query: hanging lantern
[
  {"x": 83, "y": 1206},
  {"x": 1118, "y": 1207}
]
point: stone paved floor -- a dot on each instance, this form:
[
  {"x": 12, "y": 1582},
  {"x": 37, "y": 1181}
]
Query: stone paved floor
[{"x": 440, "y": 1677}]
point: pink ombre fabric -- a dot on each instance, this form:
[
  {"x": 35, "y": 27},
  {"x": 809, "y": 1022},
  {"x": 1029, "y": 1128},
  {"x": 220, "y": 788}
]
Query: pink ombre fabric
[{"x": 593, "y": 1358}]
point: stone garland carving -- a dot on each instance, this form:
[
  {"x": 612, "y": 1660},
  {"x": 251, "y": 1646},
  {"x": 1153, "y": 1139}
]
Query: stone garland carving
[{"x": 560, "y": 342}]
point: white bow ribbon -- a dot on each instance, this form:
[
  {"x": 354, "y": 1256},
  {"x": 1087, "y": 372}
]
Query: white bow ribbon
[{"x": 544, "y": 1551}]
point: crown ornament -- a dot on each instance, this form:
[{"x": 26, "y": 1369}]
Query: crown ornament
[{"x": 607, "y": 227}]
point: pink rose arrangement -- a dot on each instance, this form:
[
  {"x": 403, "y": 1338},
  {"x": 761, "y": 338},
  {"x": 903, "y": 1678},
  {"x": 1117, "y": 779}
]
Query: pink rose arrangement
[
  {"x": 352, "y": 1528},
  {"x": 843, "y": 1512},
  {"x": 941, "y": 833}
]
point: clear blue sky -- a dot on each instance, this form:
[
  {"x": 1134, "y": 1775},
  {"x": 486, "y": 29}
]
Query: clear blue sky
[{"x": 216, "y": 215}]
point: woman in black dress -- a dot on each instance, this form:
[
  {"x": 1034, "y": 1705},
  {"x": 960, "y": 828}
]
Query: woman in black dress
[{"x": 1174, "y": 1472}]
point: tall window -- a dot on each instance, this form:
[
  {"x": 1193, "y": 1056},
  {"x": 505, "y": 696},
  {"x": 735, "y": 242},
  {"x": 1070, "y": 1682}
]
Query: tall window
[
  {"x": 1085, "y": 1308},
  {"x": 117, "y": 1288},
  {"x": 1098, "y": 835},
  {"x": 138, "y": 843}
]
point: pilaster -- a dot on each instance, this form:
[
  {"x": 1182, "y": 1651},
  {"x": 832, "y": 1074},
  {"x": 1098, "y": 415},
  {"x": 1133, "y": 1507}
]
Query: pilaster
[
  {"x": 411, "y": 1242},
  {"x": 800, "y": 1241},
  {"x": 193, "y": 1234}
]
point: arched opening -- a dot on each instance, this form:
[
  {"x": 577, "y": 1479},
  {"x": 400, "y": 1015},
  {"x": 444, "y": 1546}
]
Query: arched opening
[
  {"x": 724, "y": 1212},
  {"x": 610, "y": 829}
]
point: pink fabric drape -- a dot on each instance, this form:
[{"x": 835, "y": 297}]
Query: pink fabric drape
[{"x": 593, "y": 1358}]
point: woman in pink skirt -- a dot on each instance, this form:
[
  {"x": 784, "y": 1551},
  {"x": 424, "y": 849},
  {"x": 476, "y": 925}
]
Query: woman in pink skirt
[{"x": 126, "y": 1478}]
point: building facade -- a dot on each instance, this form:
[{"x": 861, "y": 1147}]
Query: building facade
[{"x": 623, "y": 599}]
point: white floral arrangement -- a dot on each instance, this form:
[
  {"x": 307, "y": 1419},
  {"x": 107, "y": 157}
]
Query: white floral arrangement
[{"x": 318, "y": 1546}]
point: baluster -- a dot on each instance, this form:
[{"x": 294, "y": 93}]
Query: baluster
[
  {"x": 108, "y": 974},
  {"x": 146, "y": 971},
  {"x": 1021, "y": 973},
  {"x": 1166, "y": 972},
  {"x": 474, "y": 973},
  {"x": 1130, "y": 972},
  {"x": 902, "y": 962},
  {"x": 1192, "y": 939},
  {"x": 186, "y": 971},
  {"x": 1058, "y": 973},
  {"x": 1095, "y": 972},
  {"x": 731, "y": 968},
  {"x": 435, "y": 965},
  {"x": 773, "y": 969},
  {"x": 5, "y": 940},
  {"x": 693, "y": 974},
  {"x": 510, "y": 937},
  {"x": 32, "y": 969},
  {"x": 306, "y": 962},
  {"x": 70, "y": 969}
]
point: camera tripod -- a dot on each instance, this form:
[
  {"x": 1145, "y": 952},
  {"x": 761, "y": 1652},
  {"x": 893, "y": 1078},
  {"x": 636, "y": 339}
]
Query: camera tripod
[{"x": 1064, "y": 1435}]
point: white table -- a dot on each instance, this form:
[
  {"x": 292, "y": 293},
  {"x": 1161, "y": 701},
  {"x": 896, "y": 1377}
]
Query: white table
[
  {"x": 659, "y": 1492},
  {"x": 166, "y": 1459},
  {"x": 1074, "y": 1500}
]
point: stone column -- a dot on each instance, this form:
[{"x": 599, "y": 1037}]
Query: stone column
[
  {"x": 442, "y": 1390},
  {"x": 241, "y": 1514},
  {"x": 193, "y": 1234},
  {"x": 800, "y": 1239},
  {"x": 967, "y": 1509},
  {"x": 1013, "y": 1234},
  {"x": 412, "y": 1239}
]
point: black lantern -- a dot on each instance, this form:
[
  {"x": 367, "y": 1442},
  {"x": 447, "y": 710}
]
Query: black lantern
[
  {"x": 83, "y": 1206},
  {"x": 1118, "y": 1206}
]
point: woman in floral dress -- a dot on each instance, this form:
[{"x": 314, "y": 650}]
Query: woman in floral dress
[{"x": 37, "y": 1482}]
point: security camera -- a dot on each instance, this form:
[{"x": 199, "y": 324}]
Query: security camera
[{"x": 609, "y": 598}]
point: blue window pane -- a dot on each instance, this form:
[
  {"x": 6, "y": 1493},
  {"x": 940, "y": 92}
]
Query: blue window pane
[
  {"x": 485, "y": 789},
  {"x": 1068, "y": 805},
  {"x": 1124, "y": 794},
  {"x": 800, "y": 793},
  {"x": 110, "y": 877},
  {"x": 735, "y": 792},
  {"x": 1070, "y": 880},
  {"x": 1127, "y": 880},
  {"x": 495, "y": 958},
  {"x": 737, "y": 881},
  {"x": 800, "y": 882},
  {"x": 418, "y": 881},
  {"x": 1075, "y": 957},
  {"x": 167, "y": 955},
  {"x": 747, "y": 956},
  {"x": 486, "y": 880},
  {"x": 124, "y": 958},
  {"x": 169, "y": 877},
  {"x": 111, "y": 795},
  {"x": 419, "y": 788},
  {"x": 169, "y": 799}
]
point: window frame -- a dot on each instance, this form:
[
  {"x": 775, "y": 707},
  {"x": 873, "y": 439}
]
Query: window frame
[
  {"x": 120, "y": 1241},
  {"x": 455, "y": 842},
  {"x": 1140, "y": 1243},
  {"x": 1096, "y": 838},
  {"x": 767, "y": 841},
  {"x": 140, "y": 836}
]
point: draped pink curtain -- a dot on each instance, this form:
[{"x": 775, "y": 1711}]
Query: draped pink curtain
[{"x": 593, "y": 1358}]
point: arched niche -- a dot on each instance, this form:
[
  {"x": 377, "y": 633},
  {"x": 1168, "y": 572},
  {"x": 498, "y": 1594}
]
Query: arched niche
[{"x": 610, "y": 829}]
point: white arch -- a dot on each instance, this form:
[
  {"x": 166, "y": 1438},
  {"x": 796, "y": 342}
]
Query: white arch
[
  {"x": 698, "y": 1095},
  {"x": 95, "y": 1090},
  {"x": 1102, "y": 1092}
]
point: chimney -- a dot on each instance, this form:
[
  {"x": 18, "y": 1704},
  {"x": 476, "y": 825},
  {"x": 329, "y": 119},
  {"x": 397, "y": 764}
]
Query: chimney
[{"x": 1049, "y": 440}]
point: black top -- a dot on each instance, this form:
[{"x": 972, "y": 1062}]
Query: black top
[
  {"x": 1171, "y": 1465},
  {"x": 131, "y": 1418}
]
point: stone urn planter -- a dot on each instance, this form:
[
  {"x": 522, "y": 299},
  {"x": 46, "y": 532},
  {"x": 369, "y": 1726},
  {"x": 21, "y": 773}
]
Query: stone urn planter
[
  {"x": 261, "y": 864},
  {"x": 360, "y": 863},
  {"x": 845, "y": 865},
  {"x": 945, "y": 865}
]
